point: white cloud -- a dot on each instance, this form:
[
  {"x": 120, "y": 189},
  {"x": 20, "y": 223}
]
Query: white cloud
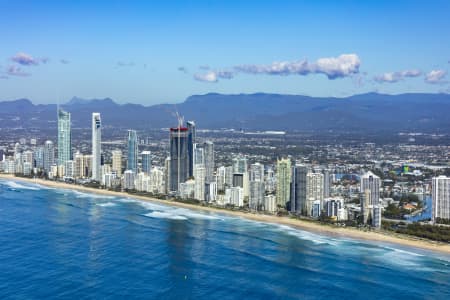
[
  {"x": 28, "y": 60},
  {"x": 206, "y": 77},
  {"x": 436, "y": 76},
  {"x": 392, "y": 77},
  {"x": 213, "y": 76}
]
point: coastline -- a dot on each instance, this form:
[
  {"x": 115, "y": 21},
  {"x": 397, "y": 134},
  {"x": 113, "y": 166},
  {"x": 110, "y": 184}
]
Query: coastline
[{"x": 373, "y": 236}]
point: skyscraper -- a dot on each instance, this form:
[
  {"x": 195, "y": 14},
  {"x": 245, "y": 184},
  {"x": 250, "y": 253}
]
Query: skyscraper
[
  {"x": 146, "y": 161},
  {"x": 117, "y": 162},
  {"x": 132, "y": 144},
  {"x": 208, "y": 152},
  {"x": 256, "y": 172},
  {"x": 240, "y": 165},
  {"x": 326, "y": 183},
  {"x": 96, "y": 146},
  {"x": 49, "y": 156},
  {"x": 440, "y": 198},
  {"x": 256, "y": 197},
  {"x": 283, "y": 182},
  {"x": 191, "y": 140},
  {"x": 199, "y": 176},
  {"x": 370, "y": 195},
  {"x": 64, "y": 137},
  {"x": 256, "y": 186},
  {"x": 39, "y": 157},
  {"x": 167, "y": 170},
  {"x": 298, "y": 189},
  {"x": 179, "y": 157},
  {"x": 221, "y": 178},
  {"x": 314, "y": 193},
  {"x": 199, "y": 155},
  {"x": 370, "y": 182}
]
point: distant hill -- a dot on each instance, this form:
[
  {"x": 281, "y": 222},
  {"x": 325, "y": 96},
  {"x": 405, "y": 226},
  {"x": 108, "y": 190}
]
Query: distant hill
[{"x": 360, "y": 113}]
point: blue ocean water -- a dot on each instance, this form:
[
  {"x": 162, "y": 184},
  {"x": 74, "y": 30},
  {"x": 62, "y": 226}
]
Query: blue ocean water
[{"x": 65, "y": 244}]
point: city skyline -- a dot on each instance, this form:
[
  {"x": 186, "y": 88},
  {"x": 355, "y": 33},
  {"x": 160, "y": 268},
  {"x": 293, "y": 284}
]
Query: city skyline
[
  {"x": 225, "y": 149},
  {"x": 204, "y": 50}
]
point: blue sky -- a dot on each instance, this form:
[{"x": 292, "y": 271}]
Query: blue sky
[{"x": 161, "y": 52}]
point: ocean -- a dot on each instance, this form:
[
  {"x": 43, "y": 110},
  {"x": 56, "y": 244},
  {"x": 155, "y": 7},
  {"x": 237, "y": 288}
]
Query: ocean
[{"x": 58, "y": 243}]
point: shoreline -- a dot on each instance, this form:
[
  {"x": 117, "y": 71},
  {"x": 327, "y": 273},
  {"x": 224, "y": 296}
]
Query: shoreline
[{"x": 353, "y": 233}]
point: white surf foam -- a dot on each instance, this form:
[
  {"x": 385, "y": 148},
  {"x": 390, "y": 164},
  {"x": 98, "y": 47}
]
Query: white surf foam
[
  {"x": 165, "y": 215},
  {"x": 91, "y": 196},
  {"x": 305, "y": 235},
  {"x": 185, "y": 213},
  {"x": 107, "y": 204},
  {"x": 153, "y": 206},
  {"x": 127, "y": 200},
  {"x": 16, "y": 185}
]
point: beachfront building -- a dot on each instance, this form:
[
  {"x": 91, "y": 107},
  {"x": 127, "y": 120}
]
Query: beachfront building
[
  {"x": 370, "y": 196},
  {"x": 49, "y": 156},
  {"x": 96, "y": 146},
  {"x": 440, "y": 198},
  {"x": 283, "y": 182},
  {"x": 132, "y": 144},
  {"x": 314, "y": 193},
  {"x": 117, "y": 162},
  {"x": 128, "y": 180},
  {"x": 257, "y": 193},
  {"x": 180, "y": 157},
  {"x": 146, "y": 157},
  {"x": 64, "y": 137},
  {"x": 208, "y": 156},
  {"x": 270, "y": 203},
  {"x": 298, "y": 189},
  {"x": 199, "y": 176}
]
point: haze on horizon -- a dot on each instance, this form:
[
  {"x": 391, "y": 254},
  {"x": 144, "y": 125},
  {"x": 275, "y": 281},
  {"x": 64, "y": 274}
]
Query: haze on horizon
[{"x": 151, "y": 53}]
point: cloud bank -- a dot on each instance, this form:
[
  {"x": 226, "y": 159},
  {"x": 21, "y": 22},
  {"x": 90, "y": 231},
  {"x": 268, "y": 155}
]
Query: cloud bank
[
  {"x": 333, "y": 67},
  {"x": 342, "y": 66}
]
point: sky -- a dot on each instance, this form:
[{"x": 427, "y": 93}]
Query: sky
[{"x": 152, "y": 52}]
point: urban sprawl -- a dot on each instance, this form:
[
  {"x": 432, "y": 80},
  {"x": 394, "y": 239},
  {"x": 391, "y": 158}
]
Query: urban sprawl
[{"x": 381, "y": 190}]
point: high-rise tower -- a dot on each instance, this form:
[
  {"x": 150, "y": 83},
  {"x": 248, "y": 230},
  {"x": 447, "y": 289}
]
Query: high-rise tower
[
  {"x": 191, "y": 140},
  {"x": 179, "y": 157},
  {"x": 64, "y": 137},
  {"x": 298, "y": 189},
  {"x": 132, "y": 143},
  {"x": 208, "y": 150},
  {"x": 96, "y": 146},
  {"x": 117, "y": 162},
  {"x": 440, "y": 198},
  {"x": 146, "y": 162},
  {"x": 283, "y": 182},
  {"x": 48, "y": 155}
]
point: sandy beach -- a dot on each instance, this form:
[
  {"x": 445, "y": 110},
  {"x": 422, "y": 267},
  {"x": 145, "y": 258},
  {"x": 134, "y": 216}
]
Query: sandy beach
[{"x": 374, "y": 236}]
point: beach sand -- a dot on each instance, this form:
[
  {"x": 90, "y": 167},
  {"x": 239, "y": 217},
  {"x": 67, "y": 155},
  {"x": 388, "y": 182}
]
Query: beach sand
[{"x": 350, "y": 232}]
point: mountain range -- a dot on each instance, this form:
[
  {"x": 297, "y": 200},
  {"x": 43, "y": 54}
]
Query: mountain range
[{"x": 370, "y": 112}]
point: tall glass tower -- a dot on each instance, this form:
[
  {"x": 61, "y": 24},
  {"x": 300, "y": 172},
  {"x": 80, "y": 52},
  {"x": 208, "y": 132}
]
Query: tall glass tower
[
  {"x": 179, "y": 157},
  {"x": 208, "y": 147},
  {"x": 64, "y": 137},
  {"x": 96, "y": 146},
  {"x": 132, "y": 160},
  {"x": 146, "y": 161},
  {"x": 191, "y": 136}
]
